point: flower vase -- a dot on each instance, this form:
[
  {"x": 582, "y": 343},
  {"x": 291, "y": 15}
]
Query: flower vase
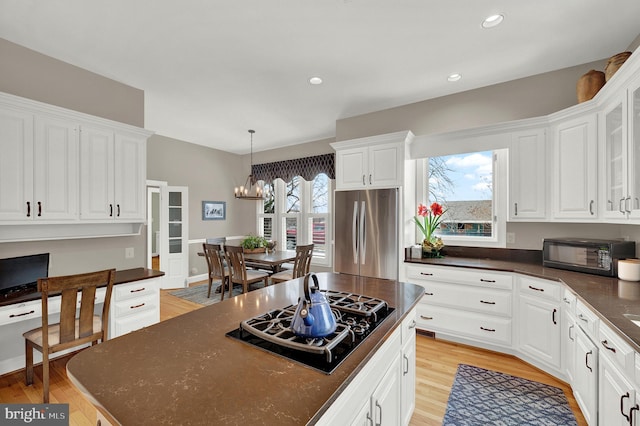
[{"x": 432, "y": 248}]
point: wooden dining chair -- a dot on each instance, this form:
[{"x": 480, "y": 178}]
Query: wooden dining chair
[
  {"x": 72, "y": 330},
  {"x": 238, "y": 272},
  {"x": 215, "y": 263},
  {"x": 301, "y": 265}
]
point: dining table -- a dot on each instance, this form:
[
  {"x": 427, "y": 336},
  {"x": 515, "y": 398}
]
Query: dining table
[{"x": 272, "y": 260}]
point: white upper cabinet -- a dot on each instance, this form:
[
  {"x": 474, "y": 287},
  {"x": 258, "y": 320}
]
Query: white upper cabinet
[
  {"x": 113, "y": 171},
  {"x": 38, "y": 170},
  {"x": 371, "y": 162},
  {"x": 575, "y": 169},
  {"x": 64, "y": 167},
  {"x": 527, "y": 175},
  {"x": 16, "y": 164},
  {"x": 620, "y": 154}
]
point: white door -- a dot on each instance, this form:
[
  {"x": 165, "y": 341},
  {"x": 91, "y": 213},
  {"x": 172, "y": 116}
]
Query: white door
[{"x": 174, "y": 256}]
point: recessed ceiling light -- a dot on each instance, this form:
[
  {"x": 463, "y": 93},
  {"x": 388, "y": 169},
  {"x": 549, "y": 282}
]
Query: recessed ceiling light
[
  {"x": 454, "y": 77},
  {"x": 315, "y": 80},
  {"x": 492, "y": 21}
]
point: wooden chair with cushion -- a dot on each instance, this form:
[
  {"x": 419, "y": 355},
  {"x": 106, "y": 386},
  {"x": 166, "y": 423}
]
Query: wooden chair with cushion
[
  {"x": 238, "y": 272},
  {"x": 215, "y": 263},
  {"x": 72, "y": 330},
  {"x": 301, "y": 265}
]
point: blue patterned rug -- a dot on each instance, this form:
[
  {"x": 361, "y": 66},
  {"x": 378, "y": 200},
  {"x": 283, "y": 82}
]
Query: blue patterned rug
[{"x": 485, "y": 397}]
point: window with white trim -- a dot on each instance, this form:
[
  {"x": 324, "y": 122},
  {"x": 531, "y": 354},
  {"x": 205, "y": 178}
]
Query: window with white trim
[
  {"x": 299, "y": 212},
  {"x": 471, "y": 187}
]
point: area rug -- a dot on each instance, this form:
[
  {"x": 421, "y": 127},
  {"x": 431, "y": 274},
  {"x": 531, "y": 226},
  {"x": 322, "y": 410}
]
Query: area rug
[
  {"x": 485, "y": 397},
  {"x": 198, "y": 294}
]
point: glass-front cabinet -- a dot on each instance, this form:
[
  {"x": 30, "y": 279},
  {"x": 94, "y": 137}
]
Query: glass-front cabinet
[{"x": 620, "y": 142}]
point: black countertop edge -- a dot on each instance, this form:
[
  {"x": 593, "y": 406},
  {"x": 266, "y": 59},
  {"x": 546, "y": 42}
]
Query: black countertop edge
[
  {"x": 122, "y": 277},
  {"x": 608, "y": 297}
]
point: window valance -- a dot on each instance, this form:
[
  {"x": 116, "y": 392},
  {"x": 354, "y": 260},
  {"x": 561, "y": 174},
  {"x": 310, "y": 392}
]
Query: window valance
[{"x": 307, "y": 167}]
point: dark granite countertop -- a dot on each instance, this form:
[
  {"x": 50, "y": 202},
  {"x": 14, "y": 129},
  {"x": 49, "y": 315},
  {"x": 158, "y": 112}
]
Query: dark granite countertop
[
  {"x": 610, "y": 298},
  {"x": 122, "y": 277},
  {"x": 186, "y": 371}
]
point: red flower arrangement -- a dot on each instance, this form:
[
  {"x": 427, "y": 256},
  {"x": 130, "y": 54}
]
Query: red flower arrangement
[{"x": 431, "y": 218}]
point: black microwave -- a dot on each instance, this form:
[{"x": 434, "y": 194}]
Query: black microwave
[{"x": 586, "y": 255}]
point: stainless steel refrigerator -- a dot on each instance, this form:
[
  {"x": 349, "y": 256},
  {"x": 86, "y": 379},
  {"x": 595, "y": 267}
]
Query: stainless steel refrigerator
[{"x": 366, "y": 233}]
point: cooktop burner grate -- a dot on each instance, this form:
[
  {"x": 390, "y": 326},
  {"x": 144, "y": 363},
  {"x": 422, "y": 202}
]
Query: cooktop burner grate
[{"x": 356, "y": 317}]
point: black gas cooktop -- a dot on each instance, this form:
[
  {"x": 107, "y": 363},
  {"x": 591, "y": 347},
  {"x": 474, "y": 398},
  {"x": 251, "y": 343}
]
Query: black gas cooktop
[{"x": 356, "y": 317}]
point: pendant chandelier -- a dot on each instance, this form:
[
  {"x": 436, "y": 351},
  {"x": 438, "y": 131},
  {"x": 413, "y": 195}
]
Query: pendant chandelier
[{"x": 251, "y": 190}]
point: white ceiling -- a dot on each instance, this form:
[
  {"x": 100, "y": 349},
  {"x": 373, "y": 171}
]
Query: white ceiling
[{"x": 212, "y": 69}]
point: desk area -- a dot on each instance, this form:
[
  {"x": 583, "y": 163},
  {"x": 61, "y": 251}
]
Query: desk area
[{"x": 135, "y": 304}]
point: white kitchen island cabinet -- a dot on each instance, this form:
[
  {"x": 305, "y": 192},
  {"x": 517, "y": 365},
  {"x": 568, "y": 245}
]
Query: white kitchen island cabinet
[{"x": 371, "y": 162}]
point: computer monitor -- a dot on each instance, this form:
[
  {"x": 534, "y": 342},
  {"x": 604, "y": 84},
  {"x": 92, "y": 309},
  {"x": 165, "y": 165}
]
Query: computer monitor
[{"x": 22, "y": 273}]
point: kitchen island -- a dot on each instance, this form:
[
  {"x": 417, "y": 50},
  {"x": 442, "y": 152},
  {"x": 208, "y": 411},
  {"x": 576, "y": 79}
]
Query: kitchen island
[{"x": 187, "y": 371}]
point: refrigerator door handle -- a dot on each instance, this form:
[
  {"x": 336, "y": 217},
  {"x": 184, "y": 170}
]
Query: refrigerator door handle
[
  {"x": 354, "y": 230},
  {"x": 363, "y": 233}
]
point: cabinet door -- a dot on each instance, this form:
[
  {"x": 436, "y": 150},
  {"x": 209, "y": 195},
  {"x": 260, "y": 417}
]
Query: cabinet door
[
  {"x": 540, "y": 330},
  {"x": 130, "y": 177},
  {"x": 386, "y": 398},
  {"x": 527, "y": 175},
  {"x": 352, "y": 168},
  {"x": 585, "y": 385},
  {"x": 56, "y": 181},
  {"x": 633, "y": 149},
  {"x": 408, "y": 392},
  {"x": 16, "y": 165},
  {"x": 96, "y": 174},
  {"x": 614, "y": 160},
  {"x": 575, "y": 169},
  {"x": 615, "y": 395},
  {"x": 363, "y": 416},
  {"x": 569, "y": 347},
  {"x": 385, "y": 165}
]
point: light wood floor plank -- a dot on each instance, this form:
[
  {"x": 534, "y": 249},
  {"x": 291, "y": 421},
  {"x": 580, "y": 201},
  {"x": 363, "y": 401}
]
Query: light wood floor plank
[{"x": 436, "y": 365}]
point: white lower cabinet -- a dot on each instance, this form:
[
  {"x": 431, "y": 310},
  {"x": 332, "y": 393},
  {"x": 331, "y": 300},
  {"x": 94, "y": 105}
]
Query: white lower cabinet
[
  {"x": 585, "y": 384},
  {"x": 133, "y": 306},
  {"x": 383, "y": 393},
  {"x": 616, "y": 396},
  {"x": 568, "y": 346},
  {"x": 539, "y": 331}
]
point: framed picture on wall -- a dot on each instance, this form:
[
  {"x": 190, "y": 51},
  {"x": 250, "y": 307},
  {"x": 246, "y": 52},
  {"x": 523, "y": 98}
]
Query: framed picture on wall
[{"x": 214, "y": 210}]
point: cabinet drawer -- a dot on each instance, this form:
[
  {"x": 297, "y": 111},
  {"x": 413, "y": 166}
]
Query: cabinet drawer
[
  {"x": 408, "y": 326},
  {"x": 613, "y": 347},
  {"x": 480, "y": 327},
  {"x": 569, "y": 302},
  {"x": 134, "y": 305},
  {"x": 134, "y": 322},
  {"x": 587, "y": 320},
  {"x": 483, "y": 300},
  {"x": 540, "y": 288},
  {"x": 478, "y": 277},
  {"x": 135, "y": 289},
  {"x": 23, "y": 311}
]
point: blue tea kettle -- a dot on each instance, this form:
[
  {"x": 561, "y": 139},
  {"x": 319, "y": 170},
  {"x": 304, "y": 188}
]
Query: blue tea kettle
[{"x": 313, "y": 317}]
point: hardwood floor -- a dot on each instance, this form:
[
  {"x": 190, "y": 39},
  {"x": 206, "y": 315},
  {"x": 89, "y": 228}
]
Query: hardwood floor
[{"x": 436, "y": 366}]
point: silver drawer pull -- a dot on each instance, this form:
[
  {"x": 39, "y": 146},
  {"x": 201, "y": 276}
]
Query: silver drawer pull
[
  {"x": 493, "y": 330},
  {"x": 487, "y": 303},
  {"x": 22, "y": 314},
  {"x": 412, "y": 325},
  {"x": 536, "y": 288},
  {"x": 606, "y": 345},
  {"x": 137, "y": 306},
  {"x": 566, "y": 300},
  {"x": 583, "y": 318},
  {"x": 487, "y": 281},
  {"x": 137, "y": 290},
  {"x": 426, "y": 318}
]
